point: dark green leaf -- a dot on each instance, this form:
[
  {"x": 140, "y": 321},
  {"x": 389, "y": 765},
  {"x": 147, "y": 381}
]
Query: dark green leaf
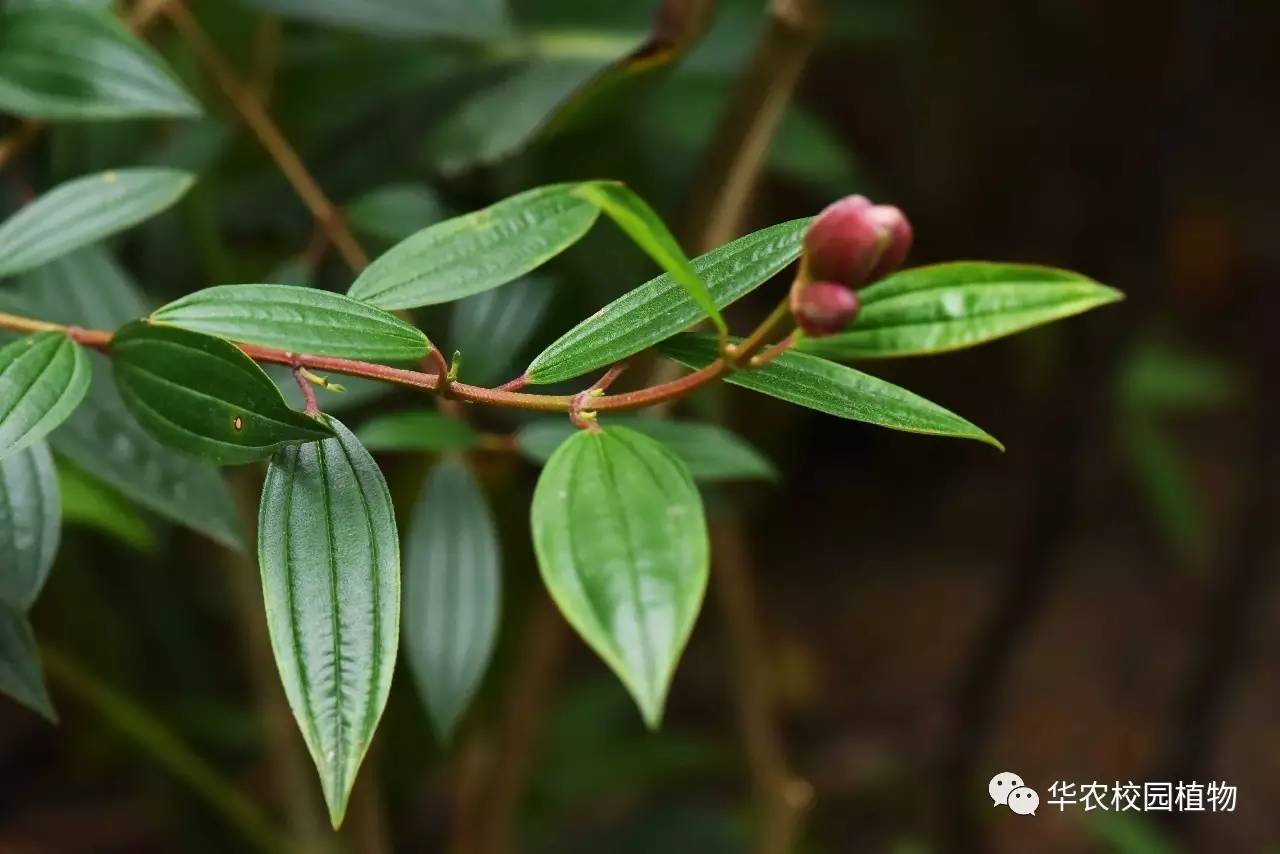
[
  {"x": 300, "y": 320},
  {"x": 84, "y": 210},
  {"x": 29, "y": 524},
  {"x": 834, "y": 389},
  {"x": 710, "y": 452},
  {"x": 68, "y": 64},
  {"x": 88, "y": 503},
  {"x": 1167, "y": 483},
  {"x": 952, "y": 306},
  {"x": 621, "y": 541},
  {"x": 203, "y": 395},
  {"x": 330, "y": 559},
  {"x": 452, "y": 592},
  {"x": 491, "y": 328},
  {"x": 477, "y": 251},
  {"x": 43, "y": 377},
  {"x": 395, "y": 211},
  {"x": 418, "y": 430},
  {"x": 643, "y": 225},
  {"x": 661, "y": 308},
  {"x": 20, "y": 676},
  {"x": 400, "y": 19},
  {"x": 85, "y": 288},
  {"x": 1157, "y": 377}
]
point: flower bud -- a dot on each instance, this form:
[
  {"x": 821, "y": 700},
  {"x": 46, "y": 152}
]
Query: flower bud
[
  {"x": 853, "y": 242},
  {"x": 823, "y": 308}
]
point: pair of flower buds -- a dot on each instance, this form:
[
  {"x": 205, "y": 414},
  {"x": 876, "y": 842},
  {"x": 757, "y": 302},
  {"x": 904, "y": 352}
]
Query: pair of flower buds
[{"x": 852, "y": 243}]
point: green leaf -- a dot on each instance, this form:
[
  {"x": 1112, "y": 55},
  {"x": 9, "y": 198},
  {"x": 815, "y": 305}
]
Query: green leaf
[
  {"x": 643, "y": 225},
  {"x": 300, "y": 320},
  {"x": 203, "y": 395},
  {"x": 951, "y": 306},
  {"x": 395, "y": 211},
  {"x": 29, "y": 524},
  {"x": 90, "y": 504},
  {"x": 399, "y": 19},
  {"x": 491, "y": 328},
  {"x": 452, "y": 592},
  {"x": 1159, "y": 377},
  {"x": 834, "y": 389},
  {"x": 418, "y": 430},
  {"x": 477, "y": 251},
  {"x": 661, "y": 308},
  {"x": 20, "y": 676},
  {"x": 84, "y": 210},
  {"x": 65, "y": 64},
  {"x": 710, "y": 452},
  {"x": 330, "y": 559},
  {"x": 620, "y": 537},
  {"x": 43, "y": 377}
]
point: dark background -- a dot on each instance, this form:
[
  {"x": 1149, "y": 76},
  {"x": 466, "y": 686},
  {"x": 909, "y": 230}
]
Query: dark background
[{"x": 900, "y": 617}]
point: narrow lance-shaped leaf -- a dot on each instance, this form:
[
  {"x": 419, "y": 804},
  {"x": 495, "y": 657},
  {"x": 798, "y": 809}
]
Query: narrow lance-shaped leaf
[
  {"x": 621, "y": 541},
  {"x": 478, "y": 251},
  {"x": 67, "y": 64},
  {"x": 300, "y": 320},
  {"x": 85, "y": 210},
  {"x": 452, "y": 592},
  {"x": 951, "y": 306},
  {"x": 203, "y": 395},
  {"x": 330, "y": 560},
  {"x": 42, "y": 379},
  {"x": 418, "y": 430},
  {"x": 643, "y": 225},
  {"x": 20, "y": 676},
  {"x": 30, "y": 520},
  {"x": 834, "y": 389},
  {"x": 661, "y": 308}
]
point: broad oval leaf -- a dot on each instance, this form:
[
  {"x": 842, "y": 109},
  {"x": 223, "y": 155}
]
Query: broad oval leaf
[
  {"x": 621, "y": 541},
  {"x": 660, "y": 308},
  {"x": 20, "y": 676},
  {"x": 84, "y": 210},
  {"x": 67, "y": 64},
  {"x": 490, "y": 329},
  {"x": 418, "y": 430},
  {"x": 330, "y": 560},
  {"x": 300, "y": 320},
  {"x": 710, "y": 451},
  {"x": 834, "y": 389},
  {"x": 643, "y": 225},
  {"x": 203, "y": 395},
  {"x": 951, "y": 306},
  {"x": 43, "y": 377},
  {"x": 30, "y": 519},
  {"x": 452, "y": 592},
  {"x": 478, "y": 251}
]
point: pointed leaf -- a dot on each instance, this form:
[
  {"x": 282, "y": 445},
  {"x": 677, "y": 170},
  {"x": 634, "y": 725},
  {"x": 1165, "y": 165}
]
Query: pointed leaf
[
  {"x": 84, "y": 210},
  {"x": 452, "y": 592},
  {"x": 300, "y": 320},
  {"x": 477, "y": 251},
  {"x": 620, "y": 537},
  {"x": 43, "y": 377},
  {"x": 418, "y": 430},
  {"x": 661, "y": 308},
  {"x": 491, "y": 328},
  {"x": 399, "y": 18},
  {"x": 203, "y": 395},
  {"x": 330, "y": 559},
  {"x": 952, "y": 306},
  {"x": 643, "y": 225},
  {"x": 30, "y": 524},
  {"x": 711, "y": 452},
  {"x": 834, "y": 389},
  {"x": 20, "y": 676},
  {"x": 66, "y": 64}
]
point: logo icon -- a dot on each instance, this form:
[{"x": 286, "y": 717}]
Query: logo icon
[{"x": 1007, "y": 789}]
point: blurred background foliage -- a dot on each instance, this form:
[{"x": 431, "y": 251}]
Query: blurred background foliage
[{"x": 1094, "y": 604}]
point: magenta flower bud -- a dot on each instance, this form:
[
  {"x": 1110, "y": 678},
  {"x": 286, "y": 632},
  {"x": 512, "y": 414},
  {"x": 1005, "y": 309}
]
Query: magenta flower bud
[
  {"x": 853, "y": 242},
  {"x": 824, "y": 308}
]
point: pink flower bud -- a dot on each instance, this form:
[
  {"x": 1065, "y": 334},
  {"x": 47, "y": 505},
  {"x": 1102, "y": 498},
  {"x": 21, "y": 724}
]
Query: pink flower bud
[
  {"x": 853, "y": 242},
  {"x": 823, "y": 308}
]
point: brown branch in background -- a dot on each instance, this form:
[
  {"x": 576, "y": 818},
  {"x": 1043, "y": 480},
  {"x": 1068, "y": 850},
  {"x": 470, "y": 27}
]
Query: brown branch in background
[{"x": 255, "y": 115}]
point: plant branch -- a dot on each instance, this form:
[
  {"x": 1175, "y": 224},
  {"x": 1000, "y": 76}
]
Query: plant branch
[{"x": 255, "y": 115}]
